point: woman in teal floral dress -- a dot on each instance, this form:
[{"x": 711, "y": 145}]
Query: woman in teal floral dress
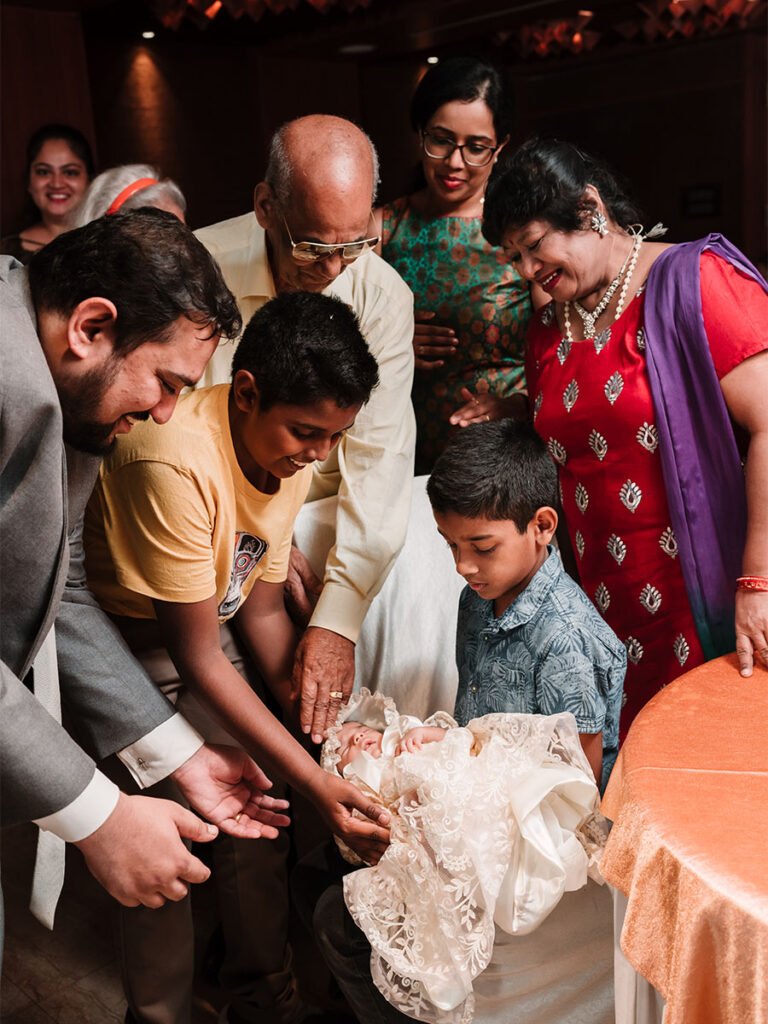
[{"x": 472, "y": 309}]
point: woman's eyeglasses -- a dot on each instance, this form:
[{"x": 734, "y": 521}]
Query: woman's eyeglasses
[
  {"x": 311, "y": 252},
  {"x": 440, "y": 147}
]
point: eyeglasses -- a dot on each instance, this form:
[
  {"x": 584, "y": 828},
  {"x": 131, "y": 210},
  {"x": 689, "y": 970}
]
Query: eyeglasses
[
  {"x": 311, "y": 252},
  {"x": 440, "y": 147}
]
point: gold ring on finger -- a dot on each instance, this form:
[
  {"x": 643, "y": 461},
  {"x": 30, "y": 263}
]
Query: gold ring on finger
[
  {"x": 238, "y": 817},
  {"x": 336, "y": 695}
]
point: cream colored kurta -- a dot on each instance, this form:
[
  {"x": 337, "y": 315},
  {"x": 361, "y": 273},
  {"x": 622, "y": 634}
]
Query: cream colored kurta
[{"x": 371, "y": 469}]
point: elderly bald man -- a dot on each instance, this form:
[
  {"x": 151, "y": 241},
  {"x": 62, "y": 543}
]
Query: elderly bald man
[{"x": 312, "y": 229}]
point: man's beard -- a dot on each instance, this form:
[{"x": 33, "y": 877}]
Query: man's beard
[{"x": 80, "y": 401}]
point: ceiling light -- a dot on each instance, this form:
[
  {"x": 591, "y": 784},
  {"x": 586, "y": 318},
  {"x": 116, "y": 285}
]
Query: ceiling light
[
  {"x": 147, "y": 35},
  {"x": 433, "y": 60},
  {"x": 351, "y": 49}
]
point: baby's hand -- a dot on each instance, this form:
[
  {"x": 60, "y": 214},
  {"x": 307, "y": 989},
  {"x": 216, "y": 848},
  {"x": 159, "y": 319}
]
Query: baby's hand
[{"x": 415, "y": 739}]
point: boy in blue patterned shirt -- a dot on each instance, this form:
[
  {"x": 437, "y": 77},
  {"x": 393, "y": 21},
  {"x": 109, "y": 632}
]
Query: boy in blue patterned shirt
[{"x": 528, "y": 638}]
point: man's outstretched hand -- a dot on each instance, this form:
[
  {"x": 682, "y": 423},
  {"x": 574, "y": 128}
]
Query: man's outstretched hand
[
  {"x": 138, "y": 854},
  {"x": 229, "y": 789}
]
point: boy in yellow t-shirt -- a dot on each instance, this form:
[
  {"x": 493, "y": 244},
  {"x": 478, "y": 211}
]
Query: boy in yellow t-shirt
[{"x": 188, "y": 530}]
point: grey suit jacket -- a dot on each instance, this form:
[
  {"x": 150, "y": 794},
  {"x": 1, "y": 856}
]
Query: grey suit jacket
[{"x": 110, "y": 698}]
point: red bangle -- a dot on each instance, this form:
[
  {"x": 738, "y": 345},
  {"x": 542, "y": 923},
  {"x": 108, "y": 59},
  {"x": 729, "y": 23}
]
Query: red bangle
[{"x": 752, "y": 583}]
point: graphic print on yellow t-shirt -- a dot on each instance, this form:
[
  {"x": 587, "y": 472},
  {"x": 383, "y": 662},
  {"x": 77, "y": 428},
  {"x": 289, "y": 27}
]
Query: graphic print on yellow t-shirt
[
  {"x": 249, "y": 551},
  {"x": 173, "y": 518}
]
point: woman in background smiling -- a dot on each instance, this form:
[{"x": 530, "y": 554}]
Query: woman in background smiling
[
  {"x": 59, "y": 168},
  {"x": 472, "y": 310}
]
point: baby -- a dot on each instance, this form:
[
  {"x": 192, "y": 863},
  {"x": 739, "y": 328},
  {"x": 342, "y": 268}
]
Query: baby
[
  {"x": 365, "y": 753},
  {"x": 491, "y": 824},
  {"x": 356, "y": 738}
]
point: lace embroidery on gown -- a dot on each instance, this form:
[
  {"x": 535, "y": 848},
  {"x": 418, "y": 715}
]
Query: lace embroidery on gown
[{"x": 490, "y": 827}]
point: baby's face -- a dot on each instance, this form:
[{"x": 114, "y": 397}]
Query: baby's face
[{"x": 354, "y": 737}]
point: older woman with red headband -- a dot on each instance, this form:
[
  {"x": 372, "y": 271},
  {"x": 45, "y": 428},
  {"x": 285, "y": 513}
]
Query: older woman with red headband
[{"x": 127, "y": 188}]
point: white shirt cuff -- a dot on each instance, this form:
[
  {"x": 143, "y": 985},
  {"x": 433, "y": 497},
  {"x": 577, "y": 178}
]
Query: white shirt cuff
[
  {"x": 340, "y": 610},
  {"x": 159, "y": 753},
  {"x": 86, "y": 813}
]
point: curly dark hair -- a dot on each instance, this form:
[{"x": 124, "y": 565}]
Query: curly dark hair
[
  {"x": 545, "y": 180},
  {"x": 148, "y": 264}
]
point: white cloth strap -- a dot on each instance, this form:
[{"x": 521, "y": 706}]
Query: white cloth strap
[{"x": 48, "y": 877}]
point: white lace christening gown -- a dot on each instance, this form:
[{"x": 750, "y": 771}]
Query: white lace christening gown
[{"x": 490, "y": 828}]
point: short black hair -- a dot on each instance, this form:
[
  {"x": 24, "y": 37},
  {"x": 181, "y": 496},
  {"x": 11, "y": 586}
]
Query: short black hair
[
  {"x": 303, "y": 347},
  {"x": 498, "y": 470},
  {"x": 74, "y": 138},
  {"x": 462, "y": 79},
  {"x": 148, "y": 264},
  {"x": 545, "y": 179}
]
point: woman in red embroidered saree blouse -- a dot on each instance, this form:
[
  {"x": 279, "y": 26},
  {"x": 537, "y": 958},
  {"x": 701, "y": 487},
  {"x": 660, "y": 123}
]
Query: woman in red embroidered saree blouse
[{"x": 597, "y": 398}]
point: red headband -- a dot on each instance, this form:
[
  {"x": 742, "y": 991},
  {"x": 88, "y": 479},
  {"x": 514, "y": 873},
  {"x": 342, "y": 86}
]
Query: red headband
[{"x": 128, "y": 191}]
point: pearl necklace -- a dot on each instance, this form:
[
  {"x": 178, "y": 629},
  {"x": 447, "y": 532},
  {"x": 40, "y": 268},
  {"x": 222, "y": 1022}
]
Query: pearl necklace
[
  {"x": 589, "y": 320},
  {"x": 630, "y": 271}
]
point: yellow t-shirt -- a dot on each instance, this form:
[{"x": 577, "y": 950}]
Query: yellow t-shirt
[{"x": 173, "y": 517}]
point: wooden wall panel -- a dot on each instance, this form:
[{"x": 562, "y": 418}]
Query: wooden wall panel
[
  {"x": 294, "y": 87},
  {"x": 204, "y": 113},
  {"x": 386, "y": 91},
  {"x": 754, "y": 153},
  {"x": 188, "y": 108},
  {"x": 43, "y": 78},
  {"x": 678, "y": 121},
  {"x": 672, "y": 118},
  {"x": 669, "y": 118}
]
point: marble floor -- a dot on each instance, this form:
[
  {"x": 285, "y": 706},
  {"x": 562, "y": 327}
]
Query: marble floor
[{"x": 71, "y": 975}]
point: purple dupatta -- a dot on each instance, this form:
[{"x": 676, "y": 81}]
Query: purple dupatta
[{"x": 702, "y": 467}]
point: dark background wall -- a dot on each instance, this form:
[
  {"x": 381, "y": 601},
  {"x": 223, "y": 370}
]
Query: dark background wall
[
  {"x": 43, "y": 77},
  {"x": 684, "y": 121}
]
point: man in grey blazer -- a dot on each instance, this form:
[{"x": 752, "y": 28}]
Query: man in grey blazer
[{"x": 107, "y": 326}]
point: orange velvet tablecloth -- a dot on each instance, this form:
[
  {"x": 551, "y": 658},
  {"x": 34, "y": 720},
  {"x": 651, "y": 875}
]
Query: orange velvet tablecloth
[{"x": 689, "y": 845}]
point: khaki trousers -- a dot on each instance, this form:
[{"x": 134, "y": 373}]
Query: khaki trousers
[{"x": 157, "y": 946}]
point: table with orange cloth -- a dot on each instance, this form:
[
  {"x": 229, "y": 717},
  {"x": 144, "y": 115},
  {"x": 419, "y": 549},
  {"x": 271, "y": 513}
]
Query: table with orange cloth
[{"x": 689, "y": 846}]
